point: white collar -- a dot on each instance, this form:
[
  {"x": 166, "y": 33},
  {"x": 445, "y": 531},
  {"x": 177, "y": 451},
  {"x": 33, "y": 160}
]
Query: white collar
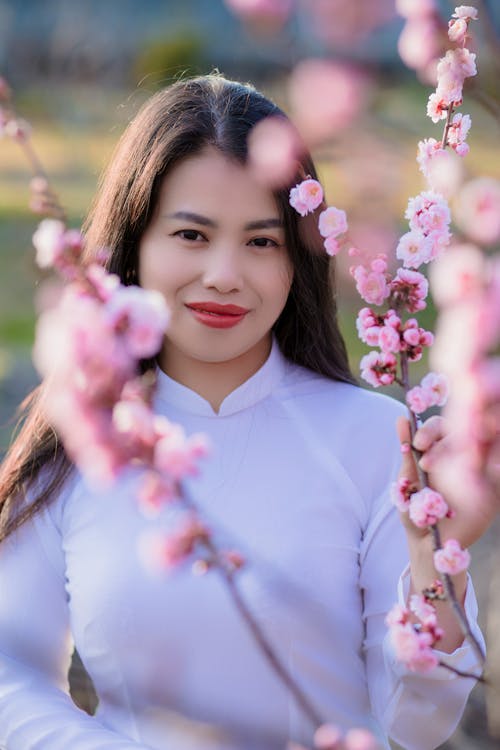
[{"x": 253, "y": 390}]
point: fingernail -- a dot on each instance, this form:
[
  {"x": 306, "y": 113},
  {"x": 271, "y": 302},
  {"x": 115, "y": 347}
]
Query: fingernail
[{"x": 405, "y": 447}]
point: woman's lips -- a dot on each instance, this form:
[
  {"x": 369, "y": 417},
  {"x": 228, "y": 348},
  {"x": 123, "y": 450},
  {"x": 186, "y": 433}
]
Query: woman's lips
[{"x": 214, "y": 315}]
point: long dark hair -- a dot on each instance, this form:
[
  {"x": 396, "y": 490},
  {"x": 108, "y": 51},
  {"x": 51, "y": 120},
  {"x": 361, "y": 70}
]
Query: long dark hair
[{"x": 178, "y": 122}]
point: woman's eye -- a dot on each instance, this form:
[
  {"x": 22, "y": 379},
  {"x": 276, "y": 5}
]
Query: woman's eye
[
  {"x": 264, "y": 242},
  {"x": 189, "y": 234}
]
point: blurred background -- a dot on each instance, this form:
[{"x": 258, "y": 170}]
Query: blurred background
[{"x": 80, "y": 70}]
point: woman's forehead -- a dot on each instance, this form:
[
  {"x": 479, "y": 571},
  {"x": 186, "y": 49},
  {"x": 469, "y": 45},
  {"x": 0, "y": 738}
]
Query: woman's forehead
[{"x": 213, "y": 183}]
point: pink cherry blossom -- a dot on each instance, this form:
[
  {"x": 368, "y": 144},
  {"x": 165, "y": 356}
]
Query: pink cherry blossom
[
  {"x": 389, "y": 339},
  {"x": 457, "y": 30},
  {"x": 459, "y": 63},
  {"x": 156, "y": 491},
  {"x": 332, "y": 222},
  {"x": 306, "y": 196},
  {"x": 325, "y": 97},
  {"x": 412, "y": 648},
  {"x": 175, "y": 453},
  {"x": 274, "y": 147},
  {"x": 451, "y": 559},
  {"x": 274, "y": 12},
  {"x": 426, "y": 507},
  {"x": 458, "y": 275},
  {"x": 134, "y": 419},
  {"x": 437, "y": 107},
  {"x": 420, "y": 41},
  {"x": 360, "y": 739},
  {"x": 142, "y": 317},
  {"x": 331, "y": 245},
  {"x": 372, "y": 285},
  {"x": 378, "y": 368},
  {"x": 428, "y": 212},
  {"x": 477, "y": 210},
  {"x": 414, "y": 248},
  {"x": 368, "y": 326},
  {"x": 49, "y": 242},
  {"x": 418, "y": 399},
  {"x": 427, "y": 149},
  {"x": 397, "y": 615},
  {"x": 467, "y": 12},
  {"x": 326, "y": 737},
  {"x": 436, "y": 385},
  {"x": 423, "y": 609},
  {"x": 160, "y": 551},
  {"x": 401, "y": 492},
  {"x": 415, "y": 8},
  {"x": 444, "y": 170},
  {"x": 18, "y": 129},
  {"x": 409, "y": 288},
  {"x": 459, "y": 129}
]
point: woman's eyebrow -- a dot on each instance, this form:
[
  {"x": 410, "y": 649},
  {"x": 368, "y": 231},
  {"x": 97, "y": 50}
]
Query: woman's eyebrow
[{"x": 198, "y": 219}]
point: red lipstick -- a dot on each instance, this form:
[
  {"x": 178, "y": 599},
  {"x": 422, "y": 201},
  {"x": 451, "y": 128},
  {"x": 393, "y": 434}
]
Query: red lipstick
[{"x": 214, "y": 315}]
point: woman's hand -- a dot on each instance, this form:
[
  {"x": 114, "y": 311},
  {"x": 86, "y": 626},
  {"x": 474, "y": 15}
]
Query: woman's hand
[{"x": 471, "y": 515}]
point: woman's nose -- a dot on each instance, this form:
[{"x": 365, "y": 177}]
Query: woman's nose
[{"x": 223, "y": 270}]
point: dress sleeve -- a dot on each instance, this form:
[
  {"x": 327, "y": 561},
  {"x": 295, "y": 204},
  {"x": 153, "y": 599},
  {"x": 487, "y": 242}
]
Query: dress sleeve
[
  {"x": 36, "y": 710},
  {"x": 399, "y": 696}
]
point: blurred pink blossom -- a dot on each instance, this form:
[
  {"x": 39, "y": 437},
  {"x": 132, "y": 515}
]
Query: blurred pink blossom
[
  {"x": 156, "y": 491},
  {"x": 417, "y": 399},
  {"x": 420, "y": 41},
  {"x": 274, "y": 148},
  {"x": 412, "y": 648},
  {"x": 360, "y": 739},
  {"x": 142, "y": 318},
  {"x": 401, "y": 492},
  {"x": 444, "y": 170},
  {"x": 451, "y": 558},
  {"x": 422, "y": 608},
  {"x": 458, "y": 275},
  {"x": 175, "y": 454},
  {"x": 343, "y": 22},
  {"x": 160, "y": 551},
  {"x": 457, "y": 30},
  {"x": 409, "y": 288},
  {"x": 270, "y": 13},
  {"x": 326, "y": 737},
  {"x": 426, "y": 507},
  {"x": 332, "y": 222},
  {"x": 467, "y": 12},
  {"x": 331, "y": 245},
  {"x": 415, "y": 8},
  {"x": 477, "y": 210},
  {"x": 57, "y": 246},
  {"x": 325, "y": 97}
]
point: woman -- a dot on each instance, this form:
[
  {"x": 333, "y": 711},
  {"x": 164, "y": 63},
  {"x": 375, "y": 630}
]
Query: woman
[{"x": 298, "y": 480}]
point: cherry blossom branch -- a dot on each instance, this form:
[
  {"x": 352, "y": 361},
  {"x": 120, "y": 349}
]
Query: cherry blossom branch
[
  {"x": 429, "y": 218},
  {"x": 449, "y": 586}
]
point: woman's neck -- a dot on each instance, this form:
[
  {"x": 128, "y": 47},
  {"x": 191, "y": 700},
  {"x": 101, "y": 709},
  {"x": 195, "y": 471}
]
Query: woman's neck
[{"x": 213, "y": 381}]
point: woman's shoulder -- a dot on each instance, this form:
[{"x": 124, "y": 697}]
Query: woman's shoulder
[{"x": 320, "y": 394}]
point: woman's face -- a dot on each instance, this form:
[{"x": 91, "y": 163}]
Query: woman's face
[{"x": 215, "y": 240}]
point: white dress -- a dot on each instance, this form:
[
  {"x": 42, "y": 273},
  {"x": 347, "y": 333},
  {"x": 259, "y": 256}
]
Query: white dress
[{"x": 297, "y": 481}]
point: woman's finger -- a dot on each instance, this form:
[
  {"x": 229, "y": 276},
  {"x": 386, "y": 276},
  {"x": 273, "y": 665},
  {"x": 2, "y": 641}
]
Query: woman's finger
[
  {"x": 429, "y": 433},
  {"x": 408, "y": 468}
]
